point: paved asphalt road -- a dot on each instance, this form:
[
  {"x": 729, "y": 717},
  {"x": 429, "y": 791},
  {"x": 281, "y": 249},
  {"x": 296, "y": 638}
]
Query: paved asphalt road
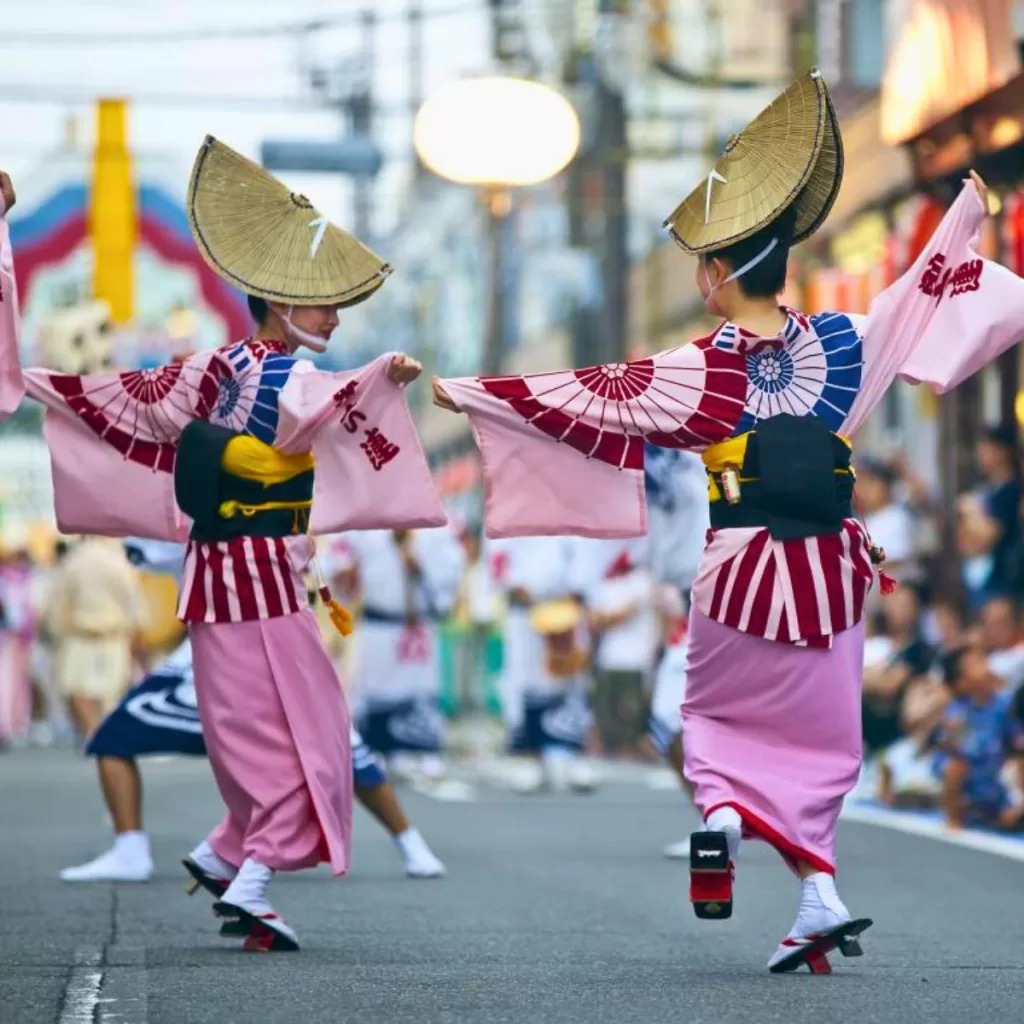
[{"x": 557, "y": 909}]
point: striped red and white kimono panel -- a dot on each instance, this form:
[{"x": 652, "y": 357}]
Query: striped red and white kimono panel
[
  {"x": 799, "y": 592},
  {"x": 244, "y": 579}
]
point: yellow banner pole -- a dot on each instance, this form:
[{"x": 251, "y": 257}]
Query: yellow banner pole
[{"x": 113, "y": 219}]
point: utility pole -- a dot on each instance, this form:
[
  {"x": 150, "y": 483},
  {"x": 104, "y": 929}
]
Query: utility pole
[
  {"x": 614, "y": 249},
  {"x": 360, "y": 106},
  {"x": 598, "y": 213},
  {"x": 508, "y": 50},
  {"x": 716, "y": 60},
  {"x": 347, "y": 88},
  {"x": 415, "y": 74}
]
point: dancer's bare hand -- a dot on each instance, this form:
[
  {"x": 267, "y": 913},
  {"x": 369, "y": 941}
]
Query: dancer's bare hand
[
  {"x": 982, "y": 188},
  {"x": 7, "y": 191},
  {"x": 442, "y": 398},
  {"x": 403, "y": 370}
]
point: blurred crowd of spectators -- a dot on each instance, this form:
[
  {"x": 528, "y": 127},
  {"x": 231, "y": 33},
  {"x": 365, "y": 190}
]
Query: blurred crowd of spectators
[
  {"x": 943, "y": 699},
  {"x": 944, "y": 672}
]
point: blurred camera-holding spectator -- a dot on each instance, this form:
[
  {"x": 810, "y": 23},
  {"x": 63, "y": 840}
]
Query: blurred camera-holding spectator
[
  {"x": 895, "y": 655},
  {"x": 988, "y": 527},
  {"x": 980, "y": 734},
  {"x": 889, "y": 522}
]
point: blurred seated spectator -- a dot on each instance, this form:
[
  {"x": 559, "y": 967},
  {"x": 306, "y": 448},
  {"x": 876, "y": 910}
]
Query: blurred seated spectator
[
  {"x": 894, "y": 656},
  {"x": 979, "y": 734},
  {"x": 942, "y": 626},
  {"x": 906, "y": 777},
  {"x": 1002, "y": 640}
]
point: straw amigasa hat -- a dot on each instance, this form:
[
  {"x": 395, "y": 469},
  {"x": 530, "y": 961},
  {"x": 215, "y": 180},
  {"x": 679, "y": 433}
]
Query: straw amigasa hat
[
  {"x": 791, "y": 154},
  {"x": 557, "y": 622},
  {"x": 270, "y": 242}
]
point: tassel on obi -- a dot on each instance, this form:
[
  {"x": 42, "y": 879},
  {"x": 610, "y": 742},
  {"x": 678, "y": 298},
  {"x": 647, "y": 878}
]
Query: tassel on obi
[
  {"x": 340, "y": 616},
  {"x": 886, "y": 583}
]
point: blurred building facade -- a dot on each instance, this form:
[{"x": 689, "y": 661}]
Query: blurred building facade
[
  {"x": 910, "y": 138},
  {"x": 926, "y": 90}
]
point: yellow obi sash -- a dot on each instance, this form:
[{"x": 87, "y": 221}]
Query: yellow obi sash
[
  {"x": 248, "y": 458},
  {"x": 731, "y": 454}
]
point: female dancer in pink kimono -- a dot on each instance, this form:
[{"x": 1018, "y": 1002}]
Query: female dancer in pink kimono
[
  {"x": 259, "y": 451},
  {"x": 771, "y": 716}
]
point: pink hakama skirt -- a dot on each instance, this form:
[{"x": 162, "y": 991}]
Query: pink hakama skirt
[
  {"x": 276, "y": 726},
  {"x": 774, "y": 731}
]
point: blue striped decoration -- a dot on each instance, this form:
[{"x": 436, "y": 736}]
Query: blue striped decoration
[
  {"x": 844, "y": 356},
  {"x": 263, "y": 418},
  {"x": 837, "y": 342}
]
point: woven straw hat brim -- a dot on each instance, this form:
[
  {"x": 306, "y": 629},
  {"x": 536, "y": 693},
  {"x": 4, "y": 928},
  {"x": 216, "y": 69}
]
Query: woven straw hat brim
[
  {"x": 551, "y": 618},
  {"x": 270, "y": 242},
  {"x": 791, "y": 154}
]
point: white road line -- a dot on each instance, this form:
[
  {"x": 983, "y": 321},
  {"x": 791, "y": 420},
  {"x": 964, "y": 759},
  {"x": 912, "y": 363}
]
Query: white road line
[
  {"x": 916, "y": 825},
  {"x": 82, "y": 994},
  {"x": 447, "y": 791}
]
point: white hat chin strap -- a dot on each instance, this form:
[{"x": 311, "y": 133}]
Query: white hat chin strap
[
  {"x": 312, "y": 341},
  {"x": 749, "y": 265}
]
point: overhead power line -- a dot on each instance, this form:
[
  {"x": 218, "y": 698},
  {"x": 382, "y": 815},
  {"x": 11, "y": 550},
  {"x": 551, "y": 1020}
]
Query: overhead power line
[
  {"x": 23, "y": 92},
  {"x": 221, "y": 33}
]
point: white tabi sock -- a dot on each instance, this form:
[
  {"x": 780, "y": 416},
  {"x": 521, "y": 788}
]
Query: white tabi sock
[
  {"x": 410, "y": 842},
  {"x": 132, "y": 845},
  {"x": 820, "y": 906},
  {"x": 420, "y": 861},
  {"x": 727, "y": 820},
  {"x": 208, "y": 859},
  {"x": 128, "y": 860},
  {"x": 248, "y": 889}
]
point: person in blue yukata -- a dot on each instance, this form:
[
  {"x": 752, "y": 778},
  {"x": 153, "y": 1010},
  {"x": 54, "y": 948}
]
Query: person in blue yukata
[{"x": 980, "y": 736}]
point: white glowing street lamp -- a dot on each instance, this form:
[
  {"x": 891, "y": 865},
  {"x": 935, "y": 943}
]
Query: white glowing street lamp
[{"x": 496, "y": 133}]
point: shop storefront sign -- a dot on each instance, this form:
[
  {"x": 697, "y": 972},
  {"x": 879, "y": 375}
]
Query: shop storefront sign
[{"x": 946, "y": 55}]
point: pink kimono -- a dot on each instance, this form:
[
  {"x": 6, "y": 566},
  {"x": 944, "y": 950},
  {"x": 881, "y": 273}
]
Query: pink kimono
[
  {"x": 274, "y": 715},
  {"x": 771, "y": 719}
]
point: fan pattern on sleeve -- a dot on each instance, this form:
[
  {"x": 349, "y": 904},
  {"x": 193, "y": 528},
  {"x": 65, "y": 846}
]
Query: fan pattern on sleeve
[
  {"x": 695, "y": 395},
  {"x": 141, "y": 414},
  {"x": 689, "y": 397}
]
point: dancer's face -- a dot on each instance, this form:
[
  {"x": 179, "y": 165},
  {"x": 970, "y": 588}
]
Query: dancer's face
[{"x": 321, "y": 321}]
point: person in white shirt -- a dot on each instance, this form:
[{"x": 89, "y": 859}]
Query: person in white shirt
[
  {"x": 624, "y": 621},
  {"x": 479, "y": 609},
  {"x": 95, "y": 612},
  {"x": 548, "y": 717},
  {"x": 406, "y": 583},
  {"x": 677, "y": 503}
]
